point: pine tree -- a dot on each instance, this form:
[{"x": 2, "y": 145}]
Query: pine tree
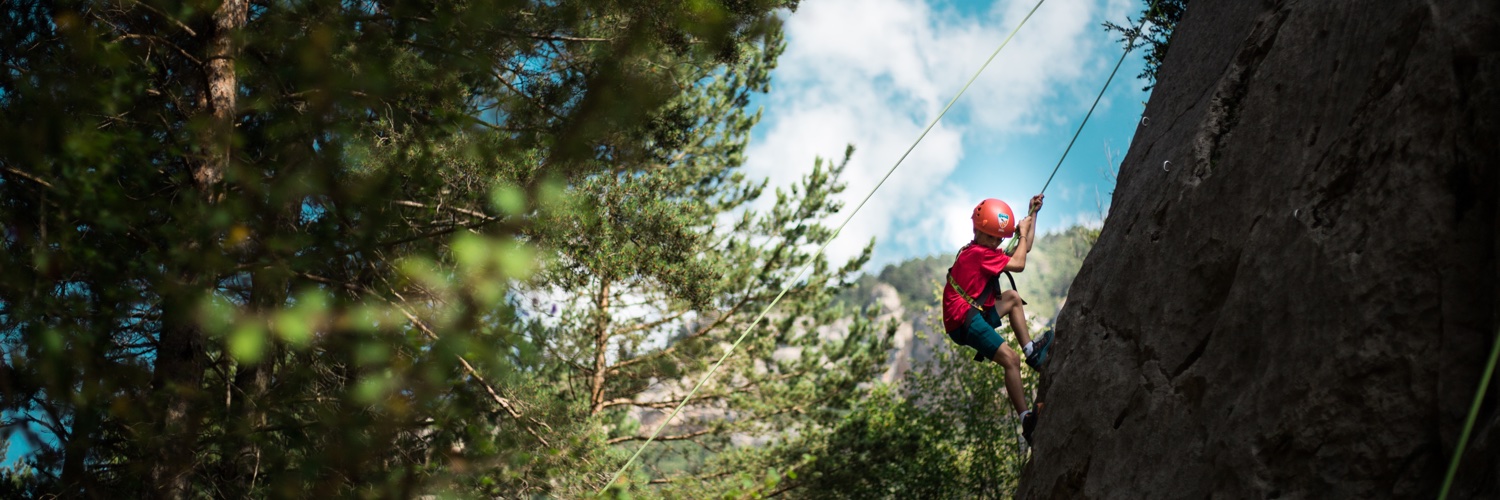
[
  {"x": 668, "y": 276},
  {"x": 256, "y": 248},
  {"x": 946, "y": 431}
]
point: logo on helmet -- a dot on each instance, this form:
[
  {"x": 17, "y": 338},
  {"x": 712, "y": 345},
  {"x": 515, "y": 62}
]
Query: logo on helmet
[{"x": 1003, "y": 219}]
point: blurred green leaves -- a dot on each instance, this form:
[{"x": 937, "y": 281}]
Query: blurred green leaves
[
  {"x": 508, "y": 199},
  {"x": 309, "y": 312},
  {"x": 248, "y": 342},
  {"x": 947, "y": 431},
  {"x": 322, "y": 284}
]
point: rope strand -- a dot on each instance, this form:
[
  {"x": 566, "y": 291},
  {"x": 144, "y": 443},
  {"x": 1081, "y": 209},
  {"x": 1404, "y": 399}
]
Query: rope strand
[
  {"x": 1010, "y": 248},
  {"x": 1130, "y": 44},
  {"x": 1463, "y": 439}
]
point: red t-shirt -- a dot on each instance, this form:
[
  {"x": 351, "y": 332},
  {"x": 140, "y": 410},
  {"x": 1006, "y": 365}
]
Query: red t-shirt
[{"x": 974, "y": 266}]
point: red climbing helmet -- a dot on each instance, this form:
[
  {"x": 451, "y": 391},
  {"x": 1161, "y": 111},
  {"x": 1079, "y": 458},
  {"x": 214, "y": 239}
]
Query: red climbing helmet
[{"x": 993, "y": 217}]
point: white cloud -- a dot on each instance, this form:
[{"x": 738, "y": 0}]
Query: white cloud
[
  {"x": 942, "y": 224},
  {"x": 874, "y": 72},
  {"x": 1088, "y": 220}
]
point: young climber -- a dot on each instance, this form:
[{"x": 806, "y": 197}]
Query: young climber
[{"x": 972, "y": 312}]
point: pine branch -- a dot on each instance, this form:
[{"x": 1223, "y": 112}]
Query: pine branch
[
  {"x": 505, "y": 403},
  {"x": 668, "y": 480},
  {"x": 156, "y": 39},
  {"x": 29, "y": 177},
  {"x": 441, "y": 232},
  {"x": 699, "y": 333},
  {"x": 675, "y": 437},
  {"x": 650, "y": 325},
  {"x": 167, "y": 18},
  {"x": 558, "y": 38},
  {"x": 471, "y": 213}
]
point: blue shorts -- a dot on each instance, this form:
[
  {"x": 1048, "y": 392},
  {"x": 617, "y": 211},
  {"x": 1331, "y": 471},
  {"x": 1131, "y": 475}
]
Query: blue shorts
[{"x": 978, "y": 331}]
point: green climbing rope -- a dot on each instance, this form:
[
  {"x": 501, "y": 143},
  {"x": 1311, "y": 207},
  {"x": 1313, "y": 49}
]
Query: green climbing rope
[
  {"x": 715, "y": 368},
  {"x": 1463, "y": 438},
  {"x": 1010, "y": 249},
  {"x": 1129, "y": 45}
]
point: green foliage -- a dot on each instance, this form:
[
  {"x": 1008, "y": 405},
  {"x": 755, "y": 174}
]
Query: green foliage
[
  {"x": 888, "y": 447},
  {"x": 284, "y": 248},
  {"x": 651, "y": 300},
  {"x": 947, "y": 431},
  {"x": 1161, "y": 18}
]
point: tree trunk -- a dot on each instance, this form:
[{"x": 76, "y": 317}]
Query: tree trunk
[
  {"x": 76, "y": 477},
  {"x": 251, "y": 383},
  {"x": 179, "y": 367},
  {"x": 601, "y": 345},
  {"x": 222, "y": 84},
  {"x": 177, "y": 382}
]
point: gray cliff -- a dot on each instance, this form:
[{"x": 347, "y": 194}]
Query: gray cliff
[{"x": 1300, "y": 304}]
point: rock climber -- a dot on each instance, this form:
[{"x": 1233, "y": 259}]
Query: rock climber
[{"x": 971, "y": 318}]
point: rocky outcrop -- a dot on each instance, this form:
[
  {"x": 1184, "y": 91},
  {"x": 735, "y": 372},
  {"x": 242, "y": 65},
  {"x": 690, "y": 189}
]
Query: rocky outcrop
[{"x": 1298, "y": 305}]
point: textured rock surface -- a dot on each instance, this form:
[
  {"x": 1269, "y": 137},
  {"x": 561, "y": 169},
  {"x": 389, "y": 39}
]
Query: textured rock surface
[{"x": 1302, "y": 305}]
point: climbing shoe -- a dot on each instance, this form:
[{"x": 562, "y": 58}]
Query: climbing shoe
[
  {"x": 1039, "y": 349},
  {"x": 1028, "y": 423}
]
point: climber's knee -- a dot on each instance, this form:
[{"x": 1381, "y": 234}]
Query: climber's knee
[
  {"x": 1008, "y": 299},
  {"x": 1007, "y": 358}
]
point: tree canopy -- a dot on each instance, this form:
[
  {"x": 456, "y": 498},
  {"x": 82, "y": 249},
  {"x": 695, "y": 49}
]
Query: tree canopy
[{"x": 305, "y": 248}]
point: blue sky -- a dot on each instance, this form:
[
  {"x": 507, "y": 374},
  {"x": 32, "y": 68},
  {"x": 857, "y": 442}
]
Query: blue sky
[{"x": 873, "y": 73}]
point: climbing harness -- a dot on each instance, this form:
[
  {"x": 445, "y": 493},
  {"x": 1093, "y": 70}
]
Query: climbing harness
[
  {"x": 975, "y": 302},
  {"x": 989, "y": 288}
]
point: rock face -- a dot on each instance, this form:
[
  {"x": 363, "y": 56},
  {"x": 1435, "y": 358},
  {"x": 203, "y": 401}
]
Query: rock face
[{"x": 1301, "y": 304}]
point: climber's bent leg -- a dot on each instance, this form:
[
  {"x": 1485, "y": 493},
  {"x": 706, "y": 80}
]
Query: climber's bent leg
[{"x": 1012, "y": 364}]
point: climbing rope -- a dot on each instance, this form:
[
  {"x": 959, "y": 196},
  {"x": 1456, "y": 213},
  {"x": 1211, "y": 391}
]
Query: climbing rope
[
  {"x": 1463, "y": 438},
  {"x": 821, "y": 249},
  {"x": 1129, "y": 45},
  {"x": 1010, "y": 249}
]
